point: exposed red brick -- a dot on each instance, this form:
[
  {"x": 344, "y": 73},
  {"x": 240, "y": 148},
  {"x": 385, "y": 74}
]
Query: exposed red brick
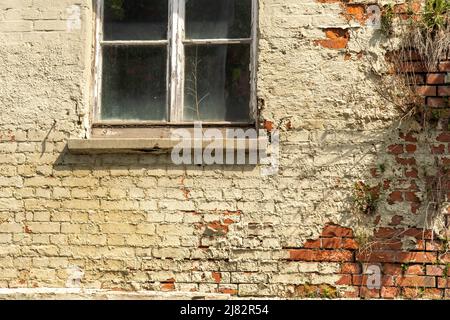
[
  {"x": 396, "y": 220},
  {"x": 392, "y": 269},
  {"x": 395, "y": 196},
  {"x": 443, "y": 137},
  {"x": 346, "y": 279},
  {"x": 435, "y": 270},
  {"x": 312, "y": 244},
  {"x": 320, "y": 255},
  {"x": 405, "y": 161},
  {"x": 230, "y": 291},
  {"x": 332, "y": 243},
  {"x": 268, "y": 125},
  {"x": 397, "y": 256},
  {"x": 427, "y": 90},
  {"x": 444, "y": 66},
  {"x": 436, "y": 78},
  {"x": 416, "y": 269},
  {"x": 389, "y": 292},
  {"x": 436, "y": 102},
  {"x": 410, "y": 148},
  {"x": 418, "y": 233},
  {"x": 353, "y": 268},
  {"x": 216, "y": 276},
  {"x": 336, "y": 38},
  {"x": 355, "y": 12},
  {"x": 349, "y": 243},
  {"x": 332, "y": 230},
  {"x": 443, "y": 282},
  {"x": 411, "y": 197},
  {"x": 385, "y": 232},
  {"x": 433, "y": 246},
  {"x": 369, "y": 293},
  {"x": 387, "y": 244},
  {"x": 409, "y": 137},
  {"x": 395, "y": 149},
  {"x": 417, "y": 257},
  {"x": 432, "y": 293},
  {"x": 438, "y": 149},
  {"x": 416, "y": 281},
  {"x": 444, "y": 91}
]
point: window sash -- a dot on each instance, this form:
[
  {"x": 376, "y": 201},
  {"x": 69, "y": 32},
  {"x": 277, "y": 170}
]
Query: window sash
[{"x": 175, "y": 44}]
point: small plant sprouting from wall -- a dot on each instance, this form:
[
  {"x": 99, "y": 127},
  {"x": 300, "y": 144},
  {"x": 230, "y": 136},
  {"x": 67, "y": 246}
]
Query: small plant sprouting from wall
[{"x": 365, "y": 198}]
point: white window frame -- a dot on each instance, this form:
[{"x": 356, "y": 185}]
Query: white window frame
[{"x": 175, "y": 67}]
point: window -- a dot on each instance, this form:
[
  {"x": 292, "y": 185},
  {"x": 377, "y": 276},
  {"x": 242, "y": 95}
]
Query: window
[{"x": 175, "y": 62}]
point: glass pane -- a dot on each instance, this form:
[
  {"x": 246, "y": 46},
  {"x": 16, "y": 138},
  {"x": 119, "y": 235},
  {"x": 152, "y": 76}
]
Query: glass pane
[
  {"x": 134, "y": 83},
  {"x": 135, "y": 20},
  {"x": 207, "y": 19},
  {"x": 217, "y": 83}
]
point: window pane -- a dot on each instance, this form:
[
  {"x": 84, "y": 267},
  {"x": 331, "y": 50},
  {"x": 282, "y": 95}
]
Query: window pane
[
  {"x": 135, "y": 20},
  {"x": 217, "y": 83},
  {"x": 207, "y": 19},
  {"x": 134, "y": 83}
]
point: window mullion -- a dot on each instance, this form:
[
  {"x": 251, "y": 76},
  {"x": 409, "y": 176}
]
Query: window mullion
[
  {"x": 98, "y": 59},
  {"x": 177, "y": 60}
]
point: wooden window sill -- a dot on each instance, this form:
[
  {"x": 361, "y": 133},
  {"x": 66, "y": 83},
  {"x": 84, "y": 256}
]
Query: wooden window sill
[{"x": 151, "y": 145}]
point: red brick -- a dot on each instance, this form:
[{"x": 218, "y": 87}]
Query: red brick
[
  {"x": 444, "y": 66},
  {"x": 444, "y": 91},
  {"x": 369, "y": 293},
  {"x": 336, "y": 39},
  {"x": 413, "y": 67},
  {"x": 228, "y": 291},
  {"x": 416, "y": 257},
  {"x": 444, "y": 258},
  {"x": 332, "y": 243},
  {"x": 217, "y": 276},
  {"x": 433, "y": 270},
  {"x": 353, "y": 268},
  {"x": 413, "y": 173},
  {"x": 395, "y": 149},
  {"x": 436, "y": 102},
  {"x": 410, "y": 148},
  {"x": 411, "y": 197},
  {"x": 346, "y": 279},
  {"x": 349, "y": 243},
  {"x": 377, "y": 256},
  {"x": 395, "y": 196},
  {"x": 320, "y": 255},
  {"x": 332, "y": 230},
  {"x": 387, "y": 244},
  {"x": 436, "y": 78},
  {"x": 385, "y": 232},
  {"x": 419, "y": 234},
  {"x": 438, "y": 149},
  {"x": 405, "y": 161},
  {"x": 408, "y": 137},
  {"x": 416, "y": 281},
  {"x": 397, "y": 256},
  {"x": 352, "y": 292},
  {"x": 416, "y": 269},
  {"x": 433, "y": 246},
  {"x": 396, "y": 220},
  {"x": 426, "y": 90},
  {"x": 389, "y": 292},
  {"x": 392, "y": 269},
  {"x": 312, "y": 244},
  {"x": 432, "y": 293},
  {"x": 443, "y": 282}
]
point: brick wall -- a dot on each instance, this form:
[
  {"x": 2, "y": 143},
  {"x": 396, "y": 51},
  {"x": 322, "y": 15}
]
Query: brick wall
[{"x": 135, "y": 221}]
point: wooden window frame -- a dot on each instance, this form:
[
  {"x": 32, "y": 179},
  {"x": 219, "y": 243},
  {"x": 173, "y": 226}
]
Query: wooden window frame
[{"x": 175, "y": 70}]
